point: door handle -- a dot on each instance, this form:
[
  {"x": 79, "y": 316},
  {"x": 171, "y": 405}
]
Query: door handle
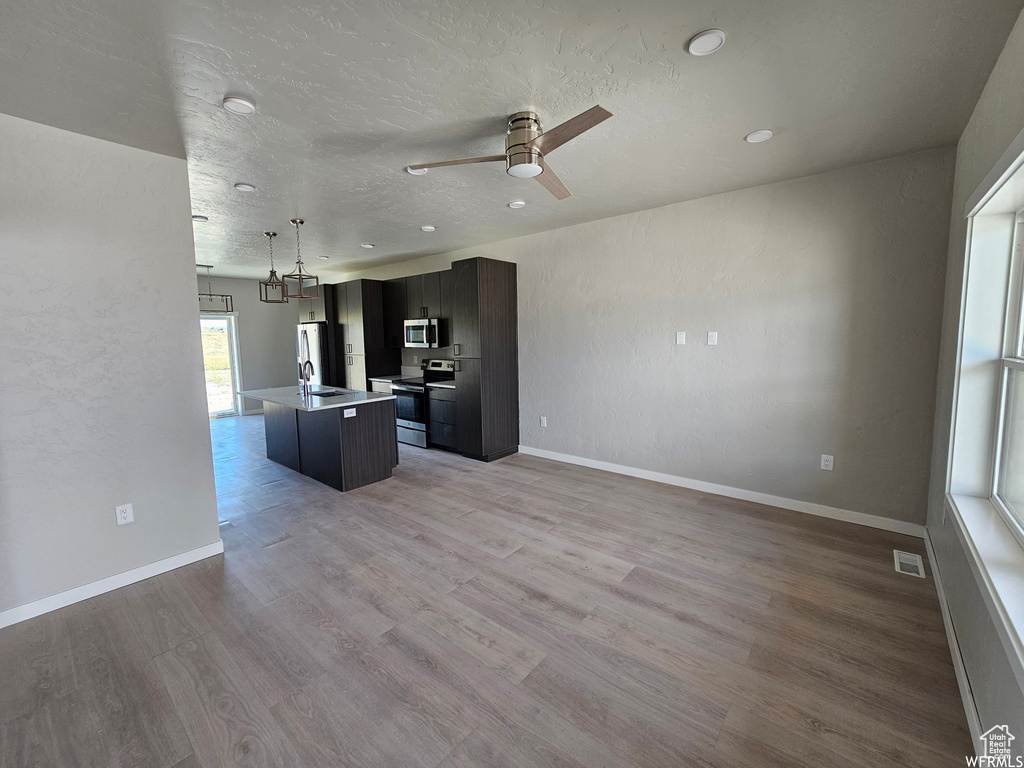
[
  {"x": 458, "y": 366},
  {"x": 348, "y": 347},
  {"x": 348, "y": 361},
  {"x": 456, "y": 350}
]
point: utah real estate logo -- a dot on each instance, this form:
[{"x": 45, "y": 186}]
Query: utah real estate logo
[{"x": 998, "y": 750}]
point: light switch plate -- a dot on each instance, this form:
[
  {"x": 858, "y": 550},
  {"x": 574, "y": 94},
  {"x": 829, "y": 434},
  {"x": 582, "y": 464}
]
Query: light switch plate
[
  {"x": 350, "y": 413},
  {"x": 680, "y": 337},
  {"x": 712, "y": 338}
]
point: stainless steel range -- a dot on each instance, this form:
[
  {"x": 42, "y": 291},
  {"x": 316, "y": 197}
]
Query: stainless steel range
[{"x": 411, "y": 405}]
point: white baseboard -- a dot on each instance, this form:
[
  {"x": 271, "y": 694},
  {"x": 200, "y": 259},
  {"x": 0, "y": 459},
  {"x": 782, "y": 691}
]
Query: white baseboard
[
  {"x": 860, "y": 518},
  {"x": 78, "y": 594},
  {"x": 970, "y": 709}
]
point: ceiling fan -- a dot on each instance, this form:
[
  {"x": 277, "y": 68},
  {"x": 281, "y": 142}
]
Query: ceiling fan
[{"x": 526, "y": 146}]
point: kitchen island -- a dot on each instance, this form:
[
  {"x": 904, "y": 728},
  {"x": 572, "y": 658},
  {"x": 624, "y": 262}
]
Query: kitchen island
[{"x": 341, "y": 437}]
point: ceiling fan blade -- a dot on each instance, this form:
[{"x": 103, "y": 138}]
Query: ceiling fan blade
[
  {"x": 550, "y": 181},
  {"x": 460, "y": 161},
  {"x": 570, "y": 129}
]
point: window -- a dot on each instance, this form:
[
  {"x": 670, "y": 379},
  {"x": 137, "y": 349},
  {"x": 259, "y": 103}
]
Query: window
[{"x": 1009, "y": 475}]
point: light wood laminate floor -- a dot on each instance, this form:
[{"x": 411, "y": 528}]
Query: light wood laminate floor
[{"x": 520, "y": 613}]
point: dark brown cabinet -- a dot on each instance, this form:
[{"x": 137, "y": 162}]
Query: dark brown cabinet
[
  {"x": 313, "y": 310},
  {"x": 423, "y": 295},
  {"x": 484, "y": 331},
  {"x": 394, "y": 298},
  {"x": 441, "y": 410},
  {"x": 357, "y": 335},
  {"x": 465, "y": 320}
]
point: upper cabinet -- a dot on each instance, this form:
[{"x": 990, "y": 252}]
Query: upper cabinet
[
  {"x": 465, "y": 322},
  {"x": 394, "y": 295},
  {"x": 313, "y": 310},
  {"x": 407, "y": 298},
  {"x": 423, "y": 295}
]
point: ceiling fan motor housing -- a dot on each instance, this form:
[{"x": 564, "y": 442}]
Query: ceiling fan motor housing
[{"x": 520, "y": 161}]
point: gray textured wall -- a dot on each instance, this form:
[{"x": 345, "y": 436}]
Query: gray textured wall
[
  {"x": 101, "y": 388},
  {"x": 826, "y": 293}
]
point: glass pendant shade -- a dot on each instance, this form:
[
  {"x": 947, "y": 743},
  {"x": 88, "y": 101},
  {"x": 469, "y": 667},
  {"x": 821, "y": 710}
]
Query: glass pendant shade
[
  {"x": 301, "y": 284},
  {"x": 214, "y": 302},
  {"x": 273, "y": 290}
]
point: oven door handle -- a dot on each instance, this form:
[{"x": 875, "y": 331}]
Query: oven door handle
[{"x": 401, "y": 388}]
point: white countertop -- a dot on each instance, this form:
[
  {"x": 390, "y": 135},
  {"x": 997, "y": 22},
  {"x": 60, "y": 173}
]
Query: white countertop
[{"x": 290, "y": 396}]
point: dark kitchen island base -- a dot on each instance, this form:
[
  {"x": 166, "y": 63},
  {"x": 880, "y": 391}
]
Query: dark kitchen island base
[{"x": 344, "y": 447}]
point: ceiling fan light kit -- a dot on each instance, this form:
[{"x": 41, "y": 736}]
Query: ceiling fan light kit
[{"x": 526, "y": 147}]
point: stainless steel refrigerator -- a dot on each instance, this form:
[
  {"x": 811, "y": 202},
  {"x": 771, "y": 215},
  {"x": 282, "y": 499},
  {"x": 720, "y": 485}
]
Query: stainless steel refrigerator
[{"x": 311, "y": 344}]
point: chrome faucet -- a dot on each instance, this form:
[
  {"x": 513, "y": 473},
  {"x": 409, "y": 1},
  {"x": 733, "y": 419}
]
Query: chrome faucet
[
  {"x": 307, "y": 374},
  {"x": 306, "y": 369}
]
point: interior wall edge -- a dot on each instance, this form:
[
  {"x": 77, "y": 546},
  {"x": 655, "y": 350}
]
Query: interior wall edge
[
  {"x": 795, "y": 505},
  {"x": 76, "y": 595}
]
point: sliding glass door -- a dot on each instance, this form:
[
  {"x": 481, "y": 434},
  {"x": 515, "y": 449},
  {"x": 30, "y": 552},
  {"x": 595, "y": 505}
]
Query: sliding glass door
[{"x": 220, "y": 360}]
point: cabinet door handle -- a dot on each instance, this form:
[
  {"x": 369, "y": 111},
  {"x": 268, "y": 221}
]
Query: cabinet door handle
[
  {"x": 348, "y": 347},
  {"x": 458, "y": 366},
  {"x": 348, "y": 361},
  {"x": 456, "y": 351}
]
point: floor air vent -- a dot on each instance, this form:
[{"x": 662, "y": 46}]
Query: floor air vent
[{"x": 908, "y": 563}]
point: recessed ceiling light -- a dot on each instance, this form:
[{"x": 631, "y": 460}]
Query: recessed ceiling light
[
  {"x": 244, "y": 186},
  {"x": 428, "y": 228},
  {"x": 236, "y": 105},
  {"x": 323, "y": 258},
  {"x": 517, "y": 204},
  {"x": 199, "y": 218},
  {"x": 706, "y": 42},
  {"x": 366, "y": 245},
  {"x": 415, "y": 171},
  {"x": 756, "y": 137}
]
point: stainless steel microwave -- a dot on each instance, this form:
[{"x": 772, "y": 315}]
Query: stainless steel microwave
[{"x": 421, "y": 333}]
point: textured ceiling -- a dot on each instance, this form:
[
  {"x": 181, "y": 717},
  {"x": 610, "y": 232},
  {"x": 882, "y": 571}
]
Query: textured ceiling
[{"x": 348, "y": 94}]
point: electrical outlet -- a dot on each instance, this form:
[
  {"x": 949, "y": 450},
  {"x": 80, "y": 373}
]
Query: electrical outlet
[
  {"x": 543, "y": 421},
  {"x": 712, "y": 338},
  {"x": 827, "y": 462},
  {"x": 415, "y": 359},
  {"x": 125, "y": 514},
  {"x": 680, "y": 337}
]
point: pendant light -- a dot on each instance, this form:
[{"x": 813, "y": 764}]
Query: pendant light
[
  {"x": 273, "y": 290},
  {"x": 214, "y": 302},
  {"x": 307, "y": 285}
]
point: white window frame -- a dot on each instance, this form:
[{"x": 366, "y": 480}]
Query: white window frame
[{"x": 1013, "y": 359}]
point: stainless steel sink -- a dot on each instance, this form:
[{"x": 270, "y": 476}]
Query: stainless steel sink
[{"x": 333, "y": 393}]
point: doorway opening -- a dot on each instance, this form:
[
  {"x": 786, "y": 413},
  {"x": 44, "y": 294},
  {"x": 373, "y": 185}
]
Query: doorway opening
[{"x": 220, "y": 361}]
